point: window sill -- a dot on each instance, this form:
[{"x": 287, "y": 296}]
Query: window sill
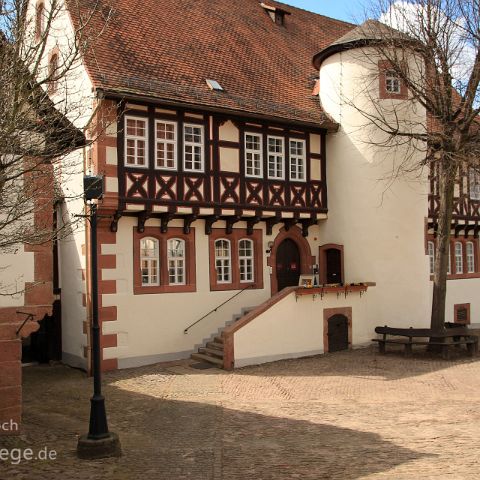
[
  {"x": 461, "y": 276},
  {"x": 235, "y": 286},
  {"x": 139, "y": 290}
]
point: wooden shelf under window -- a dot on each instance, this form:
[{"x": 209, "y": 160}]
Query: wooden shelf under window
[{"x": 339, "y": 290}]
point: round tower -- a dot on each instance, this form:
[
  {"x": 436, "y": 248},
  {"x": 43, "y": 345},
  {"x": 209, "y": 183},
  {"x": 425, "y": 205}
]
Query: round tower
[{"x": 376, "y": 211}]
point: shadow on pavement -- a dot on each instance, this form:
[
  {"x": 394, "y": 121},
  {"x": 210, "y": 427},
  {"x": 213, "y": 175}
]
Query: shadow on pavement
[
  {"x": 170, "y": 439},
  {"x": 363, "y": 363}
]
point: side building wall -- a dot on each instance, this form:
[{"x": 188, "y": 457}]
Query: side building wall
[{"x": 28, "y": 274}]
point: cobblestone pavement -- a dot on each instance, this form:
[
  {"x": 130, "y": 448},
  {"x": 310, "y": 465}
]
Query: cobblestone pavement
[{"x": 349, "y": 415}]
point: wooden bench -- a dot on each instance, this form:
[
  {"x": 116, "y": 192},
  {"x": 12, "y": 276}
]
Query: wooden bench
[{"x": 426, "y": 336}]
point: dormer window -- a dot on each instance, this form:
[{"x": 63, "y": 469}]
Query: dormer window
[
  {"x": 214, "y": 85},
  {"x": 276, "y": 14},
  {"x": 279, "y": 17}
]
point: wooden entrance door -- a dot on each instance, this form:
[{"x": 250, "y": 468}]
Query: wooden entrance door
[
  {"x": 337, "y": 333},
  {"x": 334, "y": 265},
  {"x": 288, "y": 264}
]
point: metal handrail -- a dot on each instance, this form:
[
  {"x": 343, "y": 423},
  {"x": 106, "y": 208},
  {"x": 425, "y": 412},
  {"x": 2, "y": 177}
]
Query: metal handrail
[
  {"x": 30, "y": 316},
  {"x": 216, "y": 308}
]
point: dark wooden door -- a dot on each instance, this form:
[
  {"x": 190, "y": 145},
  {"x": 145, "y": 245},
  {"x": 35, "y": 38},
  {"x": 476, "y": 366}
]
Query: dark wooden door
[
  {"x": 288, "y": 264},
  {"x": 334, "y": 265},
  {"x": 337, "y": 333}
]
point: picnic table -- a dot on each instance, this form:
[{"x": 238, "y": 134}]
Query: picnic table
[{"x": 425, "y": 336}]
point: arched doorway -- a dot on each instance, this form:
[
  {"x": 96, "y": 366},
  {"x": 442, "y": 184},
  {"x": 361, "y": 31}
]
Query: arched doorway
[
  {"x": 287, "y": 264},
  {"x": 337, "y": 333},
  {"x": 305, "y": 263}
]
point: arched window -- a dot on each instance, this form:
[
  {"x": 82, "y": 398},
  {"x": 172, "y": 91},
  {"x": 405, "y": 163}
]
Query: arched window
[
  {"x": 39, "y": 21},
  {"x": 470, "y": 257},
  {"x": 431, "y": 256},
  {"x": 458, "y": 257},
  {"x": 245, "y": 258},
  {"x": 149, "y": 261},
  {"x": 176, "y": 261},
  {"x": 223, "y": 261},
  {"x": 52, "y": 73}
]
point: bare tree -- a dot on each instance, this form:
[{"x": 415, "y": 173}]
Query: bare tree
[
  {"x": 434, "y": 51},
  {"x": 43, "y": 114}
]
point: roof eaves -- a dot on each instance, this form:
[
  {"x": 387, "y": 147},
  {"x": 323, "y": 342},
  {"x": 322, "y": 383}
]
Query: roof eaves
[{"x": 323, "y": 124}]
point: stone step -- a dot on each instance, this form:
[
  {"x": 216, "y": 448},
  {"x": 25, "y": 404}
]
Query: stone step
[
  {"x": 218, "y": 340},
  {"x": 211, "y": 351},
  {"x": 216, "y": 345},
  {"x": 206, "y": 358}
]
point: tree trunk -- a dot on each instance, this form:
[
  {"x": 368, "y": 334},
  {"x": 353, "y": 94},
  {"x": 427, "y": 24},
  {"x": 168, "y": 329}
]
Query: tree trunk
[{"x": 446, "y": 185}]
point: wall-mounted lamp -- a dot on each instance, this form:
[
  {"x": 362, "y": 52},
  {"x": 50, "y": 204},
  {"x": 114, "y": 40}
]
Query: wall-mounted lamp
[{"x": 270, "y": 246}]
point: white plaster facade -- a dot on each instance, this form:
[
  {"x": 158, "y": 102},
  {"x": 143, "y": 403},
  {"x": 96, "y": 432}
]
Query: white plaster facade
[{"x": 380, "y": 225}]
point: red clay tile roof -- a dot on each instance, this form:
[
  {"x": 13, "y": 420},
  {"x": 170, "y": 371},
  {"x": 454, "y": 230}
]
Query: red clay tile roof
[{"x": 166, "y": 49}]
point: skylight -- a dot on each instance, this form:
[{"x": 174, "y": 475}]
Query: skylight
[{"x": 214, "y": 85}]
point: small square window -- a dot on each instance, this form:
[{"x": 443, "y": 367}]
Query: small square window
[{"x": 392, "y": 82}]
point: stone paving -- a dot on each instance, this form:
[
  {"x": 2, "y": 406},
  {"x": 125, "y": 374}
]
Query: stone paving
[{"x": 348, "y": 415}]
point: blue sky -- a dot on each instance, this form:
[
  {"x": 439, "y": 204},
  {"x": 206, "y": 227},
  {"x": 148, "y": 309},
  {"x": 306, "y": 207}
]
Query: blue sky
[{"x": 348, "y": 10}]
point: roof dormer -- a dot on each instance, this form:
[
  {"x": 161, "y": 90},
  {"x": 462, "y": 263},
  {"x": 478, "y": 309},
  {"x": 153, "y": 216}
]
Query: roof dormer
[{"x": 275, "y": 13}]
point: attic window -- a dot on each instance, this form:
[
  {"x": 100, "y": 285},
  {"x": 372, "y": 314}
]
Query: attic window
[
  {"x": 214, "y": 85},
  {"x": 276, "y": 14}
]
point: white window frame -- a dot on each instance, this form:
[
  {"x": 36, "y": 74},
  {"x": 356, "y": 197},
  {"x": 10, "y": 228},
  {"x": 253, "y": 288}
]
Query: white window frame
[
  {"x": 246, "y": 260},
  {"x": 165, "y": 143},
  {"x": 294, "y": 167},
  {"x": 179, "y": 263},
  {"x": 150, "y": 259},
  {"x": 136, "y": 139},
  {"x": 431, "y": 256},
  {"x": 470, "y": 255},
  {"x": 392, "y": 79},
  {"x": 276, "y": 156},
  {"x": 474, "y": 184},
  {"x": 254, "y": 152},
  {"x": 193, "y": 145},
  {"x": 458, "y": 258},
  {"x": 224, "y": 261}
]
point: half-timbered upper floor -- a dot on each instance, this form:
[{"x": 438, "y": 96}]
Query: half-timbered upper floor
[
  {"x": 189, "y": 162},
  {"x": 466, "y": 207}
]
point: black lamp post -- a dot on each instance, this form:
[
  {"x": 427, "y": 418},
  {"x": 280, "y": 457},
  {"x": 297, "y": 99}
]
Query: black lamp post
[{"x": 99, "y": 442}]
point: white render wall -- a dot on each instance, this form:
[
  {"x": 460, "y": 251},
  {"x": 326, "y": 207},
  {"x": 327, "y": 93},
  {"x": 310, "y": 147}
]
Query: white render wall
[
  {"x": 150, "y": 327},
  {"x": 380, "y": 222},
  {"x": 463, "y": 291},
  {"x": 75, "y": 99},
  {"x": 15, "y": 270},
  {"x": 294, "y": 327}
]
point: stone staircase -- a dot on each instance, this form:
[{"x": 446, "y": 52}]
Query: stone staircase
[{"x": 213, "y": 350}]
